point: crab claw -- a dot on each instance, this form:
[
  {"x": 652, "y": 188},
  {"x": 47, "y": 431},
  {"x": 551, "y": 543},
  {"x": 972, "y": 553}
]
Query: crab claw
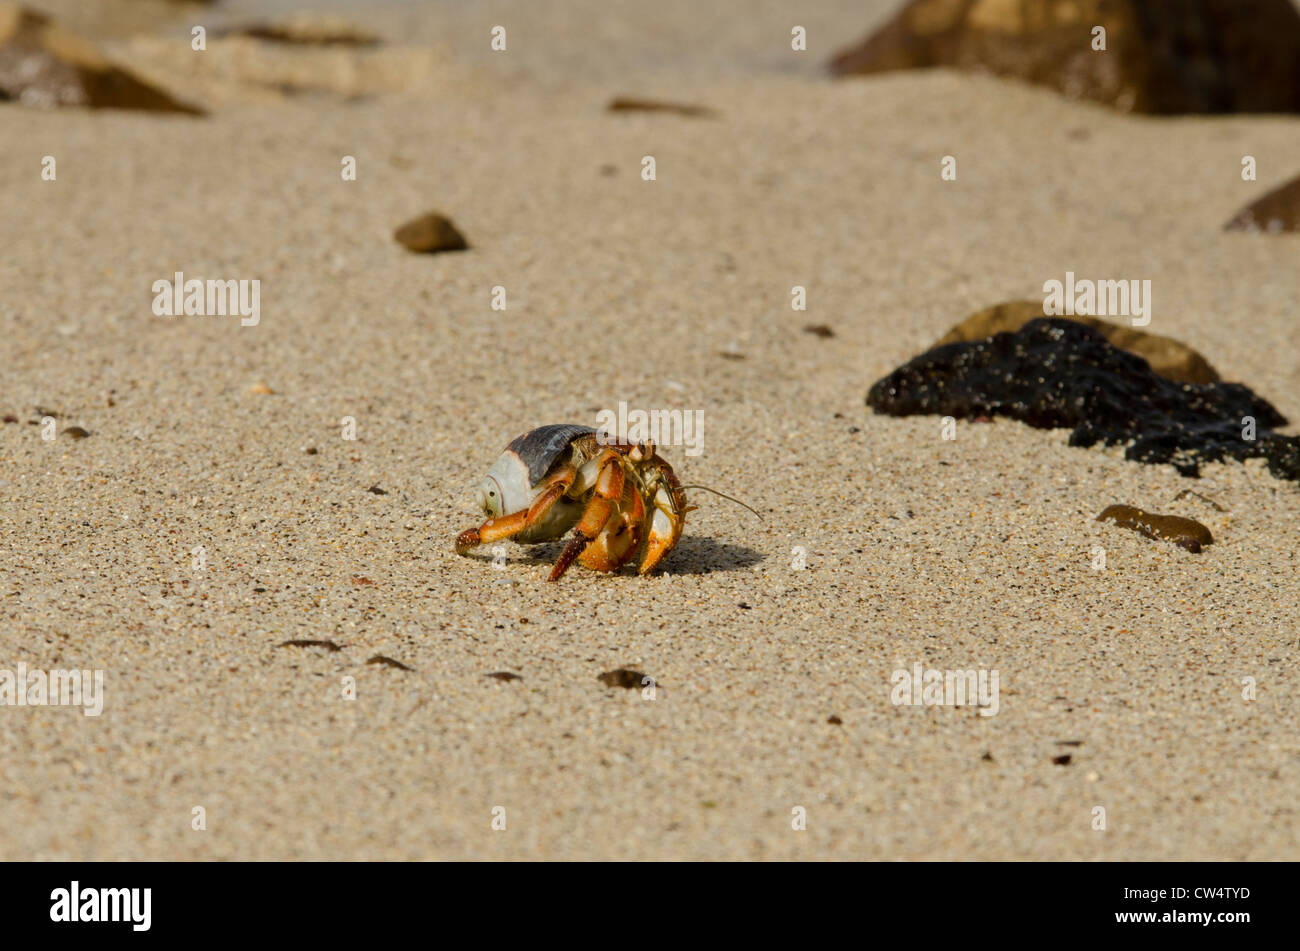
[{"x": 665, "y": 530}]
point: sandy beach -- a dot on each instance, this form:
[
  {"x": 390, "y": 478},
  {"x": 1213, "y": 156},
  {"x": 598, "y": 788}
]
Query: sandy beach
[{"x": 201, "y": 523}]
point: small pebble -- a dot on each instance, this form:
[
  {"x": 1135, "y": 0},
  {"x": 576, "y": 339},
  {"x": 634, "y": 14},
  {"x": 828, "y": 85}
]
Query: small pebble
[{"x": 430, "y": 234}]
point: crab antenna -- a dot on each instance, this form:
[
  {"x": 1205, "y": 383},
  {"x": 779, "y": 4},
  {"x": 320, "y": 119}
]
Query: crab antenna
[{"x": 725, "y": 496}]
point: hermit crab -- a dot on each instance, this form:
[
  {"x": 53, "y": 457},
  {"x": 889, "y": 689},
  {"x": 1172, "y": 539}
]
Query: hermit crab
[{"x": 621, "y": 499}]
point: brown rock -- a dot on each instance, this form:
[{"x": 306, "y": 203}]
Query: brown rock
[
  {"x": 43, "y": 66},
  {"x": 628, "y": 104},
  {"x": 429, "y": 234},
  {"x": 1276, "y": 212},
  {"x": 1183, "y": 532},
  {"x": 1161, "y": 56},
  {"x": 1168, "y": 357}
]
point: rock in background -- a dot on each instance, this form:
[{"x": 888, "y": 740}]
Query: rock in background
[
  {"x": 1276, "y": 212},
  {"x": 1168, "y": 357},
  {"x": 1162, "y": 56},
  {"x": 43, "y": 66}
]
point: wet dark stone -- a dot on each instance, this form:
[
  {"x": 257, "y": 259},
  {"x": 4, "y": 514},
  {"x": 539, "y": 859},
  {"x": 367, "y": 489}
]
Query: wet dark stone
[{"x": 1056, "y": 373}]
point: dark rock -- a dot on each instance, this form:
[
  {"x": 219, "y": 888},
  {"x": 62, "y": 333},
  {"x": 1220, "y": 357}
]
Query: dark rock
[
  {"x": 1162, "y": 56},
  {"x": 430, "y": 234},
  {"x": 43, "y": 66},
  {"x": 1056, "y": 373},
  {"x": 1183, "y": 532},
  {"x": 1168, "y": 357},
  {"x": 1276, "y": 212}
]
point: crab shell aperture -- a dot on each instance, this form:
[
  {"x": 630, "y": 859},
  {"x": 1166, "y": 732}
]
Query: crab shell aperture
[{"x": 511, "y": 483}]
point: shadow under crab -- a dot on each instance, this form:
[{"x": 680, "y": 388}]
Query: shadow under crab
[{"x": 693, "y": 555}]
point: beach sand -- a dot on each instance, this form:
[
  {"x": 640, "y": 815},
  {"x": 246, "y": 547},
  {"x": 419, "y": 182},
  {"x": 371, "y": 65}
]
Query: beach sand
[{"x": 975, "y": 553}]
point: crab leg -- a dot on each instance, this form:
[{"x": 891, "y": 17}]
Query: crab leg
[
  {"x": 608, "y": 490},
  {"x": 507, "y": 526},
  {"x": 619, "y": 540}
]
